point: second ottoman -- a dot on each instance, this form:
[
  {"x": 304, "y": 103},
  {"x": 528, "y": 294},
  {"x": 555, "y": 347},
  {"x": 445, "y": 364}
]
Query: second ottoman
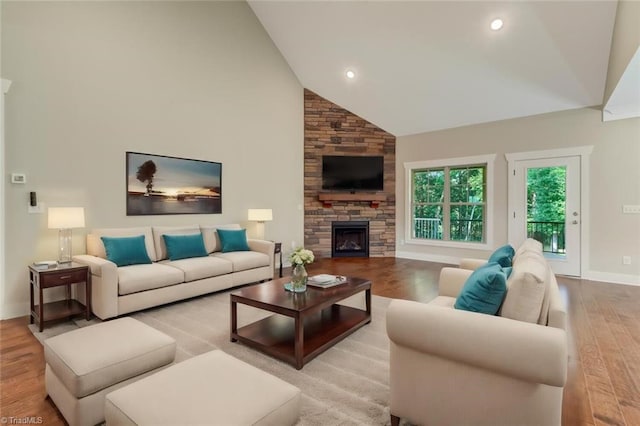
[{"x": 210, "y": 389}]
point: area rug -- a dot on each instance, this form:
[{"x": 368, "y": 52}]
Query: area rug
[{"x": 346, "y": 385}]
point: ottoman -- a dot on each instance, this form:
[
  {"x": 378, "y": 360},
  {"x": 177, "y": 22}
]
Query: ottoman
[
  {"x": 210, "y": 389},
  {"x": 84, "y": 365}
]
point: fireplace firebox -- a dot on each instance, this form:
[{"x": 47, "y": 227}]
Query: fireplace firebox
[{"x": 350, "y": 239}]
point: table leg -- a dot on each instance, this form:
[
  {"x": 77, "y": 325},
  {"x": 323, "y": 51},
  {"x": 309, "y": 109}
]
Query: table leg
[
  {"x": 31, "y": 284},
  {"x": 87, "y": 292},
  {"x": 40, "y": 308},
  {"x": 367, "y": 297},
  {"x": 280, "y": 264},
  {"x": 299, "y": 341},
  {"x": 234, "y": 320}
]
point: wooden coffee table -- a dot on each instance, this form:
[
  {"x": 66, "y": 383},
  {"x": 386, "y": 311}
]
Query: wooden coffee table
[{"x": 306, "y": 324}]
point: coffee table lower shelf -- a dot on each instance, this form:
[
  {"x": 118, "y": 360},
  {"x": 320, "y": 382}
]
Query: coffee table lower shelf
[{"x": 275, "y": 335}]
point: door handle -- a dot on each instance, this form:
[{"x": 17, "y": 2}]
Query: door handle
[
  {"x": 575, "y": 222},
  {"x": 575, "y": 213}
]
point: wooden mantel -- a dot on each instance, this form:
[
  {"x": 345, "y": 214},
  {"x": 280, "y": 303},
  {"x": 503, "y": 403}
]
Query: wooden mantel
[{"x": 328, "y": 198}]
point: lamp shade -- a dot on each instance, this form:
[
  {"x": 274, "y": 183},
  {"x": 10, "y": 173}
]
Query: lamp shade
[
  {"x": 65, "y": 217},
  {"x": 260, "y": 215}
]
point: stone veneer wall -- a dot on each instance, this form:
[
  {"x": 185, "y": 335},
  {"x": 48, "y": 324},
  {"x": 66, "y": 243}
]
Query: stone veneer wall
[{"x": 331, "y": 130}]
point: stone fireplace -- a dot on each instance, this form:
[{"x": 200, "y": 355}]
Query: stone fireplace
[
  {"x": 350, "y": 238},
  {"x": 332, "y": 130}
]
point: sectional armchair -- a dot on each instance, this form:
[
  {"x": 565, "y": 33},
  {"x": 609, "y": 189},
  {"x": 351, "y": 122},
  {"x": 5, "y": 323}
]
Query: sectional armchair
[
  {"x": 455, "y": 367},
  {"x": 118, "y": 290}
]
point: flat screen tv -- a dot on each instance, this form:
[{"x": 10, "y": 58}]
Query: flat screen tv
[{"x": 352, "y": 173}]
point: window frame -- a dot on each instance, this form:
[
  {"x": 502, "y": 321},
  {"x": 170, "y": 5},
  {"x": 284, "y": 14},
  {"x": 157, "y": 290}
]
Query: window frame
[{"x": 479, "y": 160}]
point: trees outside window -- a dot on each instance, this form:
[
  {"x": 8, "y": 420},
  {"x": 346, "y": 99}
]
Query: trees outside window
[{"x": 449, "y": 202}]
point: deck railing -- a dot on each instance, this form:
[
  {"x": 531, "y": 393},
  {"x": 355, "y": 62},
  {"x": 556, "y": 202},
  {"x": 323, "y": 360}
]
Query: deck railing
[
  {"x": 430, "y": 229},
  {"x": 461, "y": 230},
  {"x": 550, "y": 234}
]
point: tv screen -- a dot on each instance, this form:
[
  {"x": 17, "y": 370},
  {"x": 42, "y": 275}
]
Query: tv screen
[{"x": 352, "y": 173}]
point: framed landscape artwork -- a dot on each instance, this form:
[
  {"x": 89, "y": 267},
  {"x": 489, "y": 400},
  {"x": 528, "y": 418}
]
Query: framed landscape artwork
[{"x": 157, "y": 184}]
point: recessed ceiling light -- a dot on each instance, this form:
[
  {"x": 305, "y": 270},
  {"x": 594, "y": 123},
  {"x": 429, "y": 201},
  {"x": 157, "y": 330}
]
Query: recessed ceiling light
[
  {"x": 350, "y": 74},
  {"x": 496, "y": 24}
]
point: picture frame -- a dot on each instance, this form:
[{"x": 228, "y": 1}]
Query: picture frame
[{"x": 164, "y": 185}]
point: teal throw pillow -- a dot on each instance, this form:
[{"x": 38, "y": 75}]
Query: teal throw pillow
[
  {"x": 484, "y": 290},
  {"x": 507, "y": 271},
  {"x": 503, "y": 255},
  {"x": 125, "y": 251},
  {"x": 184, "y": 246},
  {"x": 233, "y": 240}
]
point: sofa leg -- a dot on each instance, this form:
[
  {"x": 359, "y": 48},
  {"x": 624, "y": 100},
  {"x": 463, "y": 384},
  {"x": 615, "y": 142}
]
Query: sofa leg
[{"x": 395, "y": 420}]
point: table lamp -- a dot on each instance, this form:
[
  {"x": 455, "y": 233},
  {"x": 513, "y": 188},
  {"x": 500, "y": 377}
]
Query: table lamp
[
  {"x": 261, "y": 216},
  {"x": 64, "y": 219}
]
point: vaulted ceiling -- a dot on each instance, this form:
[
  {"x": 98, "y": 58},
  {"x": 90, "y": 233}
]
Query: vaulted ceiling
[{"x": 427, "y": 65}]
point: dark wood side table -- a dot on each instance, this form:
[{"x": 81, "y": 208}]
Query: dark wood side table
[
  {"x": 278, "y": 250},
  {"x": 60, "y": 275}
]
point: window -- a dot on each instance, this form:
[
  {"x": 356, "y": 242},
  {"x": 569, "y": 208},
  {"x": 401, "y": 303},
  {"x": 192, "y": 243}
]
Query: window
[{"x": 448, "y": 203}]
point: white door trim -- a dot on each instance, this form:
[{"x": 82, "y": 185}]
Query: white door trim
[
  {"x": 584, "y": 152},
  {"x": 6, "y": 84}
]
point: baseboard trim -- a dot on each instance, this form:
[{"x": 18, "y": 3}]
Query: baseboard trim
[
  {"x": 15, "y": 310},
  {"x": 428, "y": 257},
  {"x": 613, "y": 278},
  {"x": 605, "y": 277}
]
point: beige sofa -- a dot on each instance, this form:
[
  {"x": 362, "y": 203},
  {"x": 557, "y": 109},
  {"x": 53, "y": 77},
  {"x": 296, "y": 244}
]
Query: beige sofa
[
  {"x": 455, "y": 367},
  {"x": 120, "y": 290}
]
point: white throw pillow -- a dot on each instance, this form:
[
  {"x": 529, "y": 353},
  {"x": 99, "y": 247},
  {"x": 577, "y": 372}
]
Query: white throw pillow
[
  {"x": 529, "y": 245},
  {"x": 526, "y": 288}
]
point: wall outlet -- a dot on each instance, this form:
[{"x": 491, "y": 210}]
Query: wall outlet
[
  {"x": 630, "y": 209},
  {"x": 626, "y": 260}
]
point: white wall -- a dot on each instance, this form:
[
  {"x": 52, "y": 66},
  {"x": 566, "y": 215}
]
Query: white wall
[
  {"x": 624, "y": 43},
  {"x": 614, "y": 180},
  {"x": 92, "y": 80}
]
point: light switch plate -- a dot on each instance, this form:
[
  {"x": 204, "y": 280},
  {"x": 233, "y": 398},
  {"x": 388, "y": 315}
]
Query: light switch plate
[
  {"x": 18, "y": 178},
  {"x": 630, "y": 209}
]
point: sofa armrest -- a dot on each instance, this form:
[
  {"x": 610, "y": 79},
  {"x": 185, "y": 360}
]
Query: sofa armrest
[
  {"x": 528, "y": 352},
  {"x": 266, "y": 247},
  {"x": 472, "y": 264},
  {"x": 96, "y": 264},
  {"x": 104, "y": 285},
  {"x": 452, "y": 280}
]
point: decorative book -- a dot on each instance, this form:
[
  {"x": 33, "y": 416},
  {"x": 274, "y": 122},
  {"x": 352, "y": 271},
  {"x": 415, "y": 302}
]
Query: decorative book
[{"x": 326, "y": 280}]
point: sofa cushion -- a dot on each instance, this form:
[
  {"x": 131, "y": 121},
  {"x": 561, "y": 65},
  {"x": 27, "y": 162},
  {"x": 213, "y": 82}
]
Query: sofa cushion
[
  {"x": 159, "y": 231},
  {"x": 197, "y": 268},
  {"x": 526, "y": 288},
  {"x": 529, "y": 245},
  {"x": 135, "y": 278},
  {"x": 125, "y": 251},
  {"x": 443, "y": 301},
  {"x": 503, "y": 255},
  {"x": 233, "y": 240},
  {"x": 211, "y": 238},
  {"x": 184, "y": 246},
  {"x": 95, "y": 247},
  {"x": 484, "y": 290},
  {"x": 243, "y": 260}
]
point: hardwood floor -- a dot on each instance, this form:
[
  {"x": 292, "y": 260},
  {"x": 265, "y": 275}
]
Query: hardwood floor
[{"x": 603, "y": 386}]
